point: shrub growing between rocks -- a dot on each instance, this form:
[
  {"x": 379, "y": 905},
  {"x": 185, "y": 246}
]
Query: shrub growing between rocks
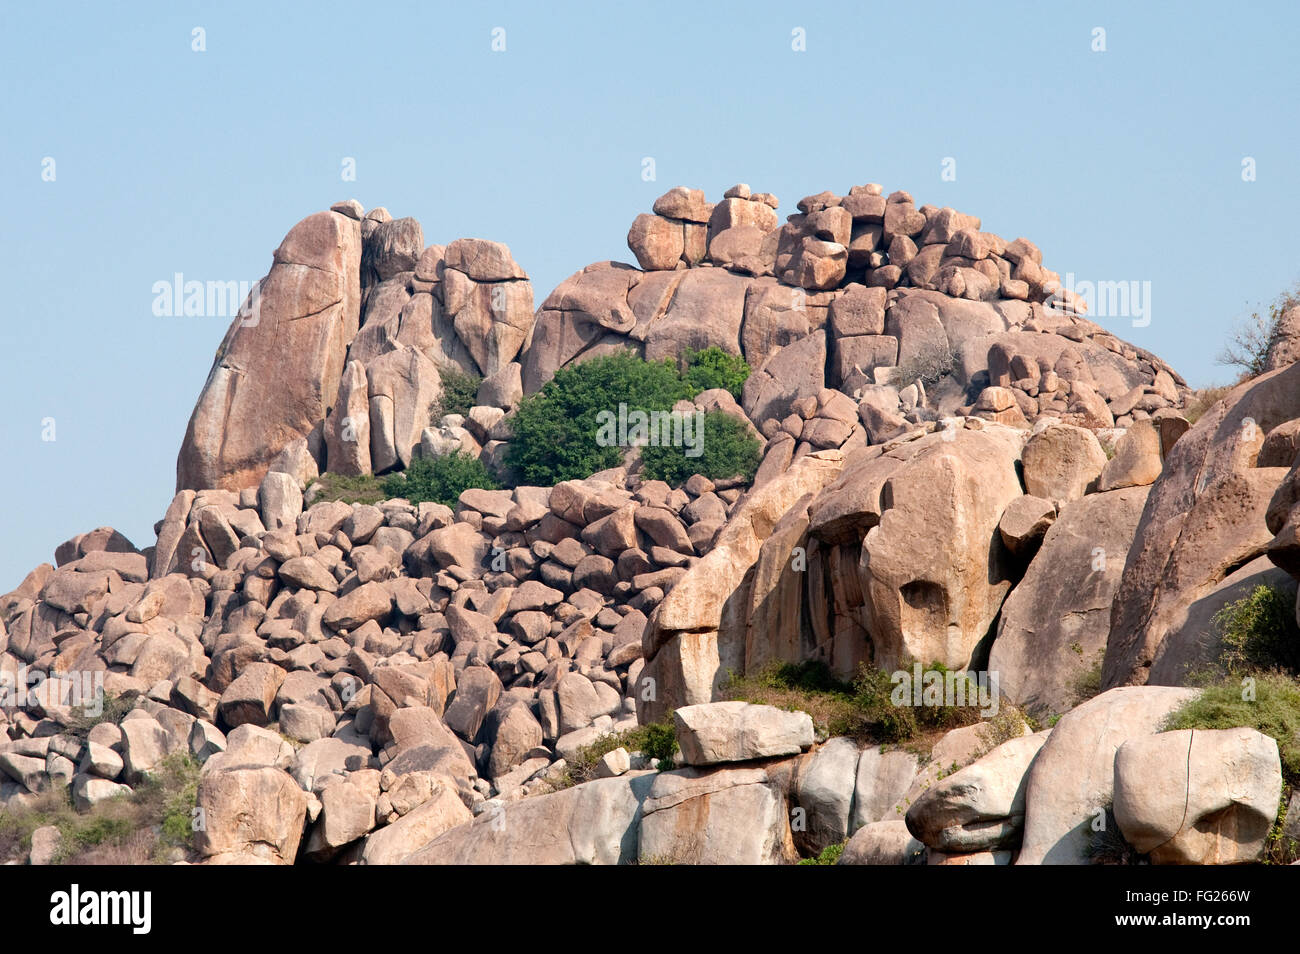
[
  {"x": 1270, "y": 703},
  {"x": 830, "y": 855},
  {"x": 362, "y": 489},
  {"x": 459, "y": 394},
  {"x": 439, "y": 479},
  {"x": 862, "y": 709},
  {"x": 729, "y": 450},
  {"x": 715, "y": 368},
  {"x": 1259, "y": 631},
  {"x": 928, "y": 367},
  {"x": 654, "y": 740},
  {"x": 111, "y": 709},
  {"x": 555, "y": 430},
  {"x": 151, "y": 824}
]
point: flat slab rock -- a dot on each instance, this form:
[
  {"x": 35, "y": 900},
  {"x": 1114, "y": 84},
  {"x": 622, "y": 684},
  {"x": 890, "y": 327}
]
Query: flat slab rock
[{"x": 715, "y": 732}]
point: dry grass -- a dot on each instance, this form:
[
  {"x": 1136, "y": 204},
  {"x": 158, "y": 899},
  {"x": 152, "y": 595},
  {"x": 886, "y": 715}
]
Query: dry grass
[
  {"x": 152, "y": 824},
  {"x": 1202, "y": 400}
]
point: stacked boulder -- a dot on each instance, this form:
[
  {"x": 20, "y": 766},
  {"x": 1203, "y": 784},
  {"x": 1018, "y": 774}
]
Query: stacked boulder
[
  {"x": 911, "y": 312},
  {"x": 342, "y": 351},
  {"x": 413, "y": 652},
  {"x": 958, "y": 467}
]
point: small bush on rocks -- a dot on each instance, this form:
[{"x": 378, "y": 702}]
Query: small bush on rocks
[
  {"x": 1266, "y": 701},
  {"x": 1259, "y": 631},
  {"x": 363, "y": 489},
  {"x": 654, "y": 740},
  {"x": 439, "y": 479},
  {"x": 556, "y": 430},
  {"x": 152, "y": 824},
  {"x": 928, "y": 367},
  {"x": 863, "y": 708},
  {"x": 715, "y": 368},
  {"x": 830, "y": 855},
  {"x": 111, "y": 709},
  {"x": 459, "y": 394}
]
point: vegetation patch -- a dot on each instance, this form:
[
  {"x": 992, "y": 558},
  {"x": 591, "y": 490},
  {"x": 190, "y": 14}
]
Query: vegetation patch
[
  {"x": 1201, "y": 401},
  {"x": 1259, "y": 631},
  {"x": 655, "y": 740},
  {"x": 729, "y": 449},
  {"x": 1107, "y": 845},
  {"x": 439, "y": 479},
  {"x": 829, "y": 855},
  {"x": 1087, "y": 682},
  {"x": 556, "y": 431},
  {"x": 715, "y": 368},
  {"x": 363, "y": 489},
  {"x": 459, "y": 394},
  {"x": 928, "y": 367},
  {"x": 1280, "y": 848},
  {"x": 151, "y": 825},
  {"x": 1252, "y": 337},
  {"x": 1266, "y": 701},
  {"x": 111, "y": 709},
  {"x": 862, "y": 708}
]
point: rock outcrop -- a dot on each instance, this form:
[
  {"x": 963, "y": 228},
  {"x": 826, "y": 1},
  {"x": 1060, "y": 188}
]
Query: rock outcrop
[{"x": 957, "y": 468}]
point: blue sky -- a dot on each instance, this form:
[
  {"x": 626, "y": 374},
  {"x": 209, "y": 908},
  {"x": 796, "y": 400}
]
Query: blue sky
[{"x": 1122, "y": 165}]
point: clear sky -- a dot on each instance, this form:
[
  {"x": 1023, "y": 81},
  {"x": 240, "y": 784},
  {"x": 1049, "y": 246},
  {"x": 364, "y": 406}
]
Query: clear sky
[{"x": 1123, "y": 165}]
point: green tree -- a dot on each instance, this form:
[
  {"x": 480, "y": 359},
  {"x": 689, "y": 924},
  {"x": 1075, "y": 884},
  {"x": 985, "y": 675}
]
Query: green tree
[
  {"x": 556, "y": 429},
  {"x": 1259, "y": 631},
  {"x": 729, "y": 450}
]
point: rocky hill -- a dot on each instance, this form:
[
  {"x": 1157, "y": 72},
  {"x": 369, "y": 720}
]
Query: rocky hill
[{"x": 958, "y": 469}]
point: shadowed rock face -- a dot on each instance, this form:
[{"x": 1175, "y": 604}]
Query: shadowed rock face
[
  {"x": 278, "y": 368},
  {"x": 1204, "y": 518}
]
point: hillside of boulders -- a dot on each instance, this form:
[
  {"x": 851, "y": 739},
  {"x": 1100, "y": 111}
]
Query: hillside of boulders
[{"x": 956, "y": 472}]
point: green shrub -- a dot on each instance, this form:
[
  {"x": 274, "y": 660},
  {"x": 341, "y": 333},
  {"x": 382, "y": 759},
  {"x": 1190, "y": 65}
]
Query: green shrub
[
  {"x": 830, "y": 855},
  {"x": 1087, "y": 682},
  {"x": 459, "y": 394},
  {"x": 1259, "y": 631},
  {"x": 172, "y": 787},
  {"x": 656, "y": 740},
  {"x": 439, "y": 479},
  {"x": 1280, "y": 848},
  {"x": 138, "y": 828},
  {"x": 729, "y": 450},
  {"x": 556, "y": 430},
  {"x": 1274, "y": 710},
  {"x": 363, "y": 489},
  {"x": 715, "y": 368},
  {"x": 112, "y": 708},
  {"x": 863, "y": 708}
]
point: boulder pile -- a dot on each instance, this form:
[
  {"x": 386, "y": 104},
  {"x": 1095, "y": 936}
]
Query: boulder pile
[{"x": 957, "y": 467}]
